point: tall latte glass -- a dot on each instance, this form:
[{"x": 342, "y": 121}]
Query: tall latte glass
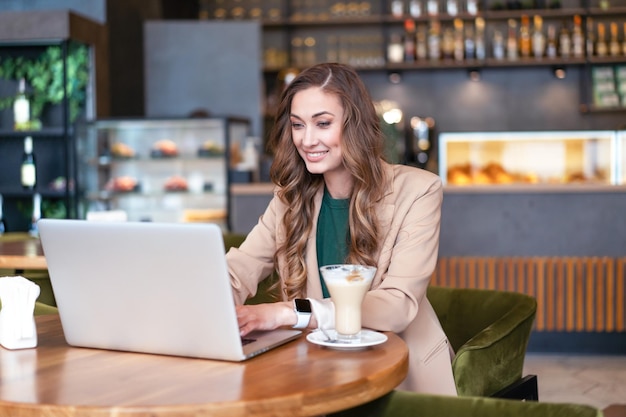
[{"x": 347, "y": 285}]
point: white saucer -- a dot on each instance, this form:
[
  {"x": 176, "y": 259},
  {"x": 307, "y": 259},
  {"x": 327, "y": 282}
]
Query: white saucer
[{"x": 368, "y": 338}]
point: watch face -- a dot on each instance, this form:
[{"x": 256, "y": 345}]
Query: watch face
[{"x": 303, "y": 305}]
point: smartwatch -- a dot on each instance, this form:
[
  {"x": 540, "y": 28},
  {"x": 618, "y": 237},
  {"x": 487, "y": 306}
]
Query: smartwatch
[{"x": 303, "y": 310}]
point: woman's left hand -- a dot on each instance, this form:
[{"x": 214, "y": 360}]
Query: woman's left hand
[{"x": 267, "y": 316}]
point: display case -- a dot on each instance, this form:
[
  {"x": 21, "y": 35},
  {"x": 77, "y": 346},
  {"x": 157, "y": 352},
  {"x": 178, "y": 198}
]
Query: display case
[
  {"x": 551, "y": 157},
  {"x": 165, "y": 170},
  {"x": 621, "y": 152}
]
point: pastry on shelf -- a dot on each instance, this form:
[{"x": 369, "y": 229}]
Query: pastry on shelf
[
  {"x": 164, "y": 148},
  {"x": 210, "y": 148},
  {"x": 122, "y": 150},
  {"x": 460, "y": 175},
  {"x": 176, "y": 183},
  {"x": 123, "y": 184},
  {"x": 204, "y": 215}
]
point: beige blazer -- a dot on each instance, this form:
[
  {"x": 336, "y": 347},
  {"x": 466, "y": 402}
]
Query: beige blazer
[{"x": 410, "y": 216}]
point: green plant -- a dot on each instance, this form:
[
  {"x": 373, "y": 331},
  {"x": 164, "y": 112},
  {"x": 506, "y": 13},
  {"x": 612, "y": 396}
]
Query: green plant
[{"x": 45, "y": 77}]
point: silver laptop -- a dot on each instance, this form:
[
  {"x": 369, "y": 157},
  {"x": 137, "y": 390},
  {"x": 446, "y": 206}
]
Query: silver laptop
[{"x": 148, "y": 287}]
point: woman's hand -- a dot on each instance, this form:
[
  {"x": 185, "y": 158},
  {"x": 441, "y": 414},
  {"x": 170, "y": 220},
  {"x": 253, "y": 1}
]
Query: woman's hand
[{"x": 265, "y": 316}]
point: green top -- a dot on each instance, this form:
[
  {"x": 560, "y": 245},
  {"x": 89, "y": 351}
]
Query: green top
[{"x": 333, "y": 233}]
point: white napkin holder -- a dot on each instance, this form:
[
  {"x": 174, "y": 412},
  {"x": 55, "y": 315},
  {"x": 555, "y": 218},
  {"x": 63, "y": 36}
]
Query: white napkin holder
[{"x": 17, "y": 321}]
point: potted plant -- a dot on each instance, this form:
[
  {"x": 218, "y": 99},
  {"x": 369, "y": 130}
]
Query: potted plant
[{"x": 44, "y": 76}]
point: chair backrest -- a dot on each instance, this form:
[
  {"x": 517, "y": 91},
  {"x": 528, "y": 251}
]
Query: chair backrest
[
  {"x": 413, "y": 404},
  {"x": 489, "y": 332},
  {"x": 267, "y": 292},
  {"x": 465, "y": 312}
]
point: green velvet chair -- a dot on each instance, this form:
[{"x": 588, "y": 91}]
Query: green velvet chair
[
  {"x": 410, "y": 404},
  {"x": 265, "y": 293},
  {"x": 489, "y": 331}
]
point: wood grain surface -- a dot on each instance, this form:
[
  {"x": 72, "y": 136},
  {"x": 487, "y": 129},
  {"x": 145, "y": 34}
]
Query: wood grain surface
[{"x": 297, "y": 379}]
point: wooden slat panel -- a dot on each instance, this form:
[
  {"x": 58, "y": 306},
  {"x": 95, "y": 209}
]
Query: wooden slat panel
[
  {"x": 491, "y": 263},
  {"x": 580, "y": 291},
  {"x": 573, "y": 293},
  {"x": 599, "y": 299},
  {"x": 610, "y": 296},
  {"x": 559, "y": 293},
  {"x": 569, "y": 297},
  {"x": 589, "y": 322},
  {"x": 471, "y": 276},
  {"x": 540, "y": 322},
  {"x": 620, "y": 292}
]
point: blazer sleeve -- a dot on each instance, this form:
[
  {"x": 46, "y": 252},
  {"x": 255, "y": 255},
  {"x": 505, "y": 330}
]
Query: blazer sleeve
[{"x": 408, "y": 256}]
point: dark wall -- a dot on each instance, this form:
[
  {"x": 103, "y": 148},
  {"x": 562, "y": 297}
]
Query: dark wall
[
  {"x": 563, "y": 223},
  {"x": 188, "y": 67},
  {"x": 125, "y": 19},
  {"x": 505, "y": 99}
]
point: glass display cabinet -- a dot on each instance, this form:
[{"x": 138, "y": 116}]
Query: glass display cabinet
[
  {"x": 551, "y": 157},
  {"x": 165, "y": 170},
  {"x": 621, "y": 154}
]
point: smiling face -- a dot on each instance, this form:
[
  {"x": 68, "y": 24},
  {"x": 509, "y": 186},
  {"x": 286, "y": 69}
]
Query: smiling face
[{"x": 316, "y": 130}]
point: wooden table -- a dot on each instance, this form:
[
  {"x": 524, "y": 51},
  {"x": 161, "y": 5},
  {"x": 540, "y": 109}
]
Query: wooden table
[
  {"x": 19, "y": 251},
  {"x": 297, "y": 379}
]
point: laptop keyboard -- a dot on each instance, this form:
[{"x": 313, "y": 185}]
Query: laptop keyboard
[{"x": 247, "y": 340}]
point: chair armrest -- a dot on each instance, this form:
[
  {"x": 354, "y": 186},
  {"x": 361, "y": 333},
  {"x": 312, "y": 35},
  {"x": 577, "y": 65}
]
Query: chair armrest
[{"x": 494, "y": 358}]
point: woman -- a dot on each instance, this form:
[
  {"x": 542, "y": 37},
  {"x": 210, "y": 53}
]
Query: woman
[{"x": 338, "y": 201}]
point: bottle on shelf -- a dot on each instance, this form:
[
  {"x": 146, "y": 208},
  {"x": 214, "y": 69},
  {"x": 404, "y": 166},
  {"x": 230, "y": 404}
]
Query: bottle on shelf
[
  {"x": 421, "y": 43},
  {"x": 409, "y": 40},
  {"x": 578, "y": 39},
  {"x": 525, "y": 44},
  {"x": 480, "y": 45},
  {"x": 498, "y": 45},
  {"x": 472, "y": 7},
  {"x": 551, "y": 43},
  {"x": 565, "y": 42},
  {"x": 452, "y": 7},
  {"x": 459, "y": 44},
  {"x": 601, "y": 46},
  {"x": 511, "y": 41},
  {"x": 624, "y": 41},
  {"x": 469, "y": 41},
  {"x": 538, "y": 37},
  {"x": 434, "y": 41},
  {"x": 28, "y": 168},
  {"x": 590, "y": 43},
  {"x": 432, "y": 7},
  {"x": 395, "y": 49},
  {"x": 415, "y": 8},
  {"x": 34, "y": 230},
  {"x": 614, "y": 46},
  {"x": 447, "y": 43},
  {"x": 397, "y": 8},
  {"x": 21, "y": 107}
]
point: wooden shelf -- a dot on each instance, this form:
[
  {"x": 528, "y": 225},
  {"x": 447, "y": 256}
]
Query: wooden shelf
[{"x": 390, "y": 19}]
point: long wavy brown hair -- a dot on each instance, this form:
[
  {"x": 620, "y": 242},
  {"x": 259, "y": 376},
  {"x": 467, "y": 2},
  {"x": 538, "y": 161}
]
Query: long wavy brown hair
[{"x": 362, "y": 145}]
